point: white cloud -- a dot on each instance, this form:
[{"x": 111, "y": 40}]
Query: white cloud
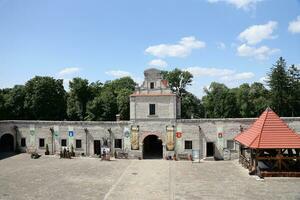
[
  {"x": 240, "y": 4},
  {"x": 238, "y": 76},
  {"x": 182, "y": 49},
  {"x": 294, "y": 26},
  {"x": 120, "y": 74},
  {"x": 263, "y": 79},
  {"x": 209, "y": 71},
  {"x": 117, "y": 73},
  {"x": 256, "y": 33},
  {"x": 68, "y": 71},
  {"x": 221, "y": 45},
  {"x": 158, "y": 63},
  {"x": 260, "y": 53}
]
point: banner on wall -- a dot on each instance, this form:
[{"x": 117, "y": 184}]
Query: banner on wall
[
  {"x": 126, "y": 137},
  {"x": 56, "y": 136},
  {"x": 170, "y": 139},
  {"x": 32, "y": 135},
  {"x": 134, "y": 138},
  {"x": 71, "y": 135},
  {"x": 220, "y": 137},
  {"x": 178, "y": 138}
]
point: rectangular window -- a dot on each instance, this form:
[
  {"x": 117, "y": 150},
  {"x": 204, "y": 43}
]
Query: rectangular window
[
  {"x": 118, "y": 143},
  {"x": 42, "y": 142},
  {"x": 63, "y": 142},
  {"x": 152, "y": 109},
  {"x": 23, "y": 142},
  {"x": 78, "y": 144},
  {"x": 188, "y": 144},
  {"x": 152, "y": 85},
  {"x": 230, "y": 144}
]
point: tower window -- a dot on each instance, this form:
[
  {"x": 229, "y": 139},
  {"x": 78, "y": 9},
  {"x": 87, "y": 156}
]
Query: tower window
[
  {"x": 152, "y": 85},
  {"x": 152, "y": 109}
]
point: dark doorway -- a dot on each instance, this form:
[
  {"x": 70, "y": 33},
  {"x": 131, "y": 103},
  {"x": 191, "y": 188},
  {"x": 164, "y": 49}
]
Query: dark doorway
[
  {"x": 210, "y": 149},
  {"x": 97, "y": 147},
  {"x": 152, "y": 148},
  {"x": 7, "y": 143}
]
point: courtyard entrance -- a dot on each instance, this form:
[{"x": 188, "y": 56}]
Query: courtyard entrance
[
  {"x": 7, "y": 143},
  {"x": 152, "y": 148}
]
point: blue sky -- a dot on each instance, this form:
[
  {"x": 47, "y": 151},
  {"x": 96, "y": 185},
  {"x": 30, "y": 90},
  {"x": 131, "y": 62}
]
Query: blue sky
[{"x": 228, "y": 41}]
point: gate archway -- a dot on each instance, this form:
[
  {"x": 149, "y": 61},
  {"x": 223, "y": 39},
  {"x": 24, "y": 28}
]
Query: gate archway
[
  {"x": 7, "y": 143},
  {"x": 152, "y": 147}
]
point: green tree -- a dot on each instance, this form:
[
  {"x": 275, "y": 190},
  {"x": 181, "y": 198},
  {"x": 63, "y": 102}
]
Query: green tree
[
  {"x": 45, "y": 98},
  {"x": 14, "y": 102},
  {"x": 80, "y": 94},
  {"x": 191, "y": 107},
  {"x": 119, "y": 84},
  {"x": 103, "y": 107},
  {"x": 3, "y": 112},
  {"x": 219, "y": 101},
  {"x": 244, "y": 103},
  {"x": 294, "y": 92},
  {"x": 259, "y": 97},
  {"x": 178, "y": 80},
  {"x": 123, "y": 103},
  {"x": 279, "y": 87}
]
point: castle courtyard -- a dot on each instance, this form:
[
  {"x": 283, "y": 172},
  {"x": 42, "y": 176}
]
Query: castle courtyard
[{"x": 89, "y": 178}]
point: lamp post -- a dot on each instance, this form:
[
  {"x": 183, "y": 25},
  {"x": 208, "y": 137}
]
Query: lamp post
[
  {"x": 199, "y": 141},
  {"x": 52, "y": 138},
  {"x": 16, "y": 128},
  {"x": 86, "y": 140},
  {"x": 110, "y": 142}
]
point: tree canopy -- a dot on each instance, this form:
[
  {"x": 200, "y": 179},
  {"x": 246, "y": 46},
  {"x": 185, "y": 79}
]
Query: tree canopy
[{"x": 44, "y": 98}]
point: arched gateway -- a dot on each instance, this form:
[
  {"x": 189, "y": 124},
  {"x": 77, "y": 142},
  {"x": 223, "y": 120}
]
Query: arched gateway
[
  {"x": 152, "y": 147},
  {"x": 7, "y": 143}
]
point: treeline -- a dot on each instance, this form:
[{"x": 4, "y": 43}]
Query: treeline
[
  {"x": 44, "y": 98},
  {"x": 282, "y": 95}
]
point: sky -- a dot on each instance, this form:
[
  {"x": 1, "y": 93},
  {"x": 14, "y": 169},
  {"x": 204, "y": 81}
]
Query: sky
[{"x": 227, "y": 41}]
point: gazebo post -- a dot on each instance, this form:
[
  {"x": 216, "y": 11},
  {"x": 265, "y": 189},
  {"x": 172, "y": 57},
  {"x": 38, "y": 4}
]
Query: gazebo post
[{"x": 279, "y": 157}]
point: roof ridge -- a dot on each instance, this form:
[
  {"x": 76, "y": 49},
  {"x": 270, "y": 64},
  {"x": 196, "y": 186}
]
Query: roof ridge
[
  {"x": 253, "y": 141},
  {"x": 262, "y": 127}
]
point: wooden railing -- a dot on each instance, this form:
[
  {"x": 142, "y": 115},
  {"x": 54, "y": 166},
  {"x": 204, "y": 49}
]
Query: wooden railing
[{"x": 245, "y": 162}]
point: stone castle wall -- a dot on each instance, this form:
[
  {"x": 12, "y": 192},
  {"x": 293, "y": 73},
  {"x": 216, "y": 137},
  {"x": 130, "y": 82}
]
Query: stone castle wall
[{"x": 88, "y": 132}]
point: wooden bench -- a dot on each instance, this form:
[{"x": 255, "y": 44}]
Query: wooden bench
[{"x": 183, "y": 156}]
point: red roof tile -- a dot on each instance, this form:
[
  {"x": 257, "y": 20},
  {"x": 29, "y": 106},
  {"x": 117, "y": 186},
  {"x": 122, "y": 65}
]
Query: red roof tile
[{"x": 269, "y": 132}]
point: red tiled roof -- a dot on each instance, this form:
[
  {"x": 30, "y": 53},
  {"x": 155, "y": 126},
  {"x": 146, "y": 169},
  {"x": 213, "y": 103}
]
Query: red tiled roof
[
  {"x": 269, "y": 132},
  {"x": 151, "y": 95}
]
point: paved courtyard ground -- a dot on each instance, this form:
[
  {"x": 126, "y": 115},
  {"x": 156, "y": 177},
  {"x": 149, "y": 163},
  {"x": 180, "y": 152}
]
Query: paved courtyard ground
[{"x": 89, "y": 178}]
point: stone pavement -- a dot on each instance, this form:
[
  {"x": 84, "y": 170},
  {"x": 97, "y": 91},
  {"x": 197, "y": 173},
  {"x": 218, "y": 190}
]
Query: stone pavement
[{"x": 89, "y": 178}]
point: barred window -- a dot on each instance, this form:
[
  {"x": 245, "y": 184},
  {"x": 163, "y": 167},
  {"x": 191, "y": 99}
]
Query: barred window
[
  {"x": 63, "y": 142},
  {"x": 42, "y": 142},
  {"x": 78, "y": 144},
  {"x": 152, "y": 109},
  {"x": 118, "y": 143},
  {"x": 188, "y": 144},
  {"x": 230, "y": 145}
]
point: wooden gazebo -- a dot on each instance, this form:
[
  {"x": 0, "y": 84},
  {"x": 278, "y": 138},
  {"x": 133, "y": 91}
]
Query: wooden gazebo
[{"x": 269, "y": 147}]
